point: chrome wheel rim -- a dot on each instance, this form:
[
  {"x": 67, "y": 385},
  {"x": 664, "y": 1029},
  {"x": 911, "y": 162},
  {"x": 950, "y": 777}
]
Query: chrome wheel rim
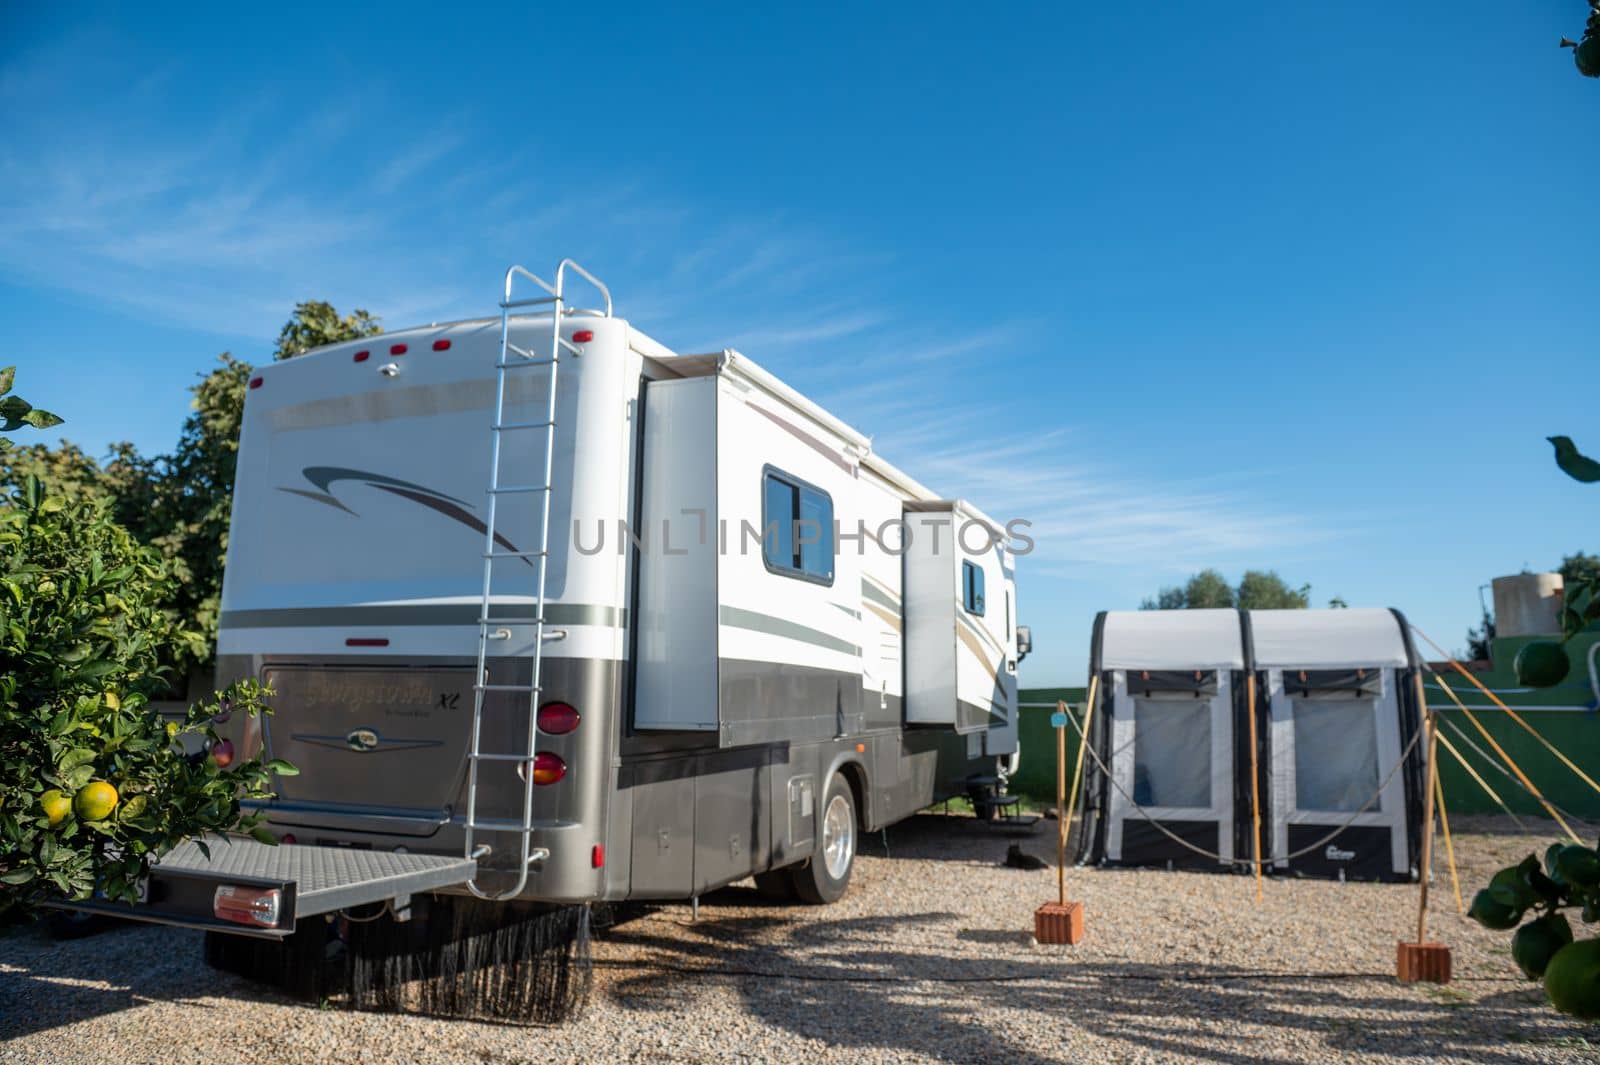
[{"x": 838, "y": 837}]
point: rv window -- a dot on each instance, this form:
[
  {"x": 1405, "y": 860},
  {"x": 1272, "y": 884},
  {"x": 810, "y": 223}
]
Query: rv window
[
  {"x": 797, "y": 524},
  {"x": 972, "y": 588}
]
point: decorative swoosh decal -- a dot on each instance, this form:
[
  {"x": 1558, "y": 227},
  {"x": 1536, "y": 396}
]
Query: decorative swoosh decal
[{"x": 324, "y": 477}]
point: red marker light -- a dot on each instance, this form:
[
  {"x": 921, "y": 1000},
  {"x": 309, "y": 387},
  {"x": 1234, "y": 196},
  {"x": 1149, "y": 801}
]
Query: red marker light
[
  {"x": 583, "y": 336},
  {"x": 597, "y": 855},
  {"x": 397, "y": 349},
  {"x": 441, "y": 345},
  {"x": 363, "y": 355},
  {"x": 557, "y": 719},
  {"x": 547, "y": 768},
  {"x": 255, "y": 382},
  {"x": 288, "y": 838}
]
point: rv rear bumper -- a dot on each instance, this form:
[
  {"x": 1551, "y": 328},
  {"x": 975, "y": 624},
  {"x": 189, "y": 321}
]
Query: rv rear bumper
[{"x": 249, "y": 888}]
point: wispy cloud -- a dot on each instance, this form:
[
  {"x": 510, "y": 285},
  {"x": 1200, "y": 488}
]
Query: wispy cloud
[{"x": 222, "y": 225}]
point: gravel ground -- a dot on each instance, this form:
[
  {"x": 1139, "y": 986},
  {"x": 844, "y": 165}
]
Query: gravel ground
[{"x": 928, "y": 958}]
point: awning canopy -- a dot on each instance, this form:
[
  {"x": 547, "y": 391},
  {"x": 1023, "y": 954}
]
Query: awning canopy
[
  {"x": 1327, "y": 639},
  {"x": 1171, "y": 639}
]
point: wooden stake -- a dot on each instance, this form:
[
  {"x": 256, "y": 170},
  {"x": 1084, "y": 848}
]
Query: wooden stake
[
  {"x": 1061, "y": 807},
  {"x": 1255, "y": 780},
  {"x": 1427, "y": 809}
]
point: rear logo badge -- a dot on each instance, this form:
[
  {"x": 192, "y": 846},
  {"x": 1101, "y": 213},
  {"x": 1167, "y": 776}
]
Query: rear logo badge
[{"x": 362, "y": 739}]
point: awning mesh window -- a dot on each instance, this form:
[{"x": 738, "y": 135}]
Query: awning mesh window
[
  {"x": 1172, "y": 752},
  {"x": 1335, "y": 754}
]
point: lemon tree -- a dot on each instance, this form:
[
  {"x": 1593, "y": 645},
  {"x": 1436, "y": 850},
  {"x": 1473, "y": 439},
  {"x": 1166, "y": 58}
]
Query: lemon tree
[
  {"x": 94, "y": 784},
  {"x": 1531, "y": 897}
]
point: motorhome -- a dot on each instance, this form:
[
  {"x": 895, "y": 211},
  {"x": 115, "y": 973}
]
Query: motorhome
[{"x": 551, "y": 612}]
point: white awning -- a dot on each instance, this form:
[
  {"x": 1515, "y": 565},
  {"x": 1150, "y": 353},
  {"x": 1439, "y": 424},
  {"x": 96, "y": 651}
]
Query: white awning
[
  {"x": 1326, "y": 639},
  {"x": 1171, "y": 639}
]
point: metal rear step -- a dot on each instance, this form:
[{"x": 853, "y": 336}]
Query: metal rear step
[{"x": 184, "y": 887}]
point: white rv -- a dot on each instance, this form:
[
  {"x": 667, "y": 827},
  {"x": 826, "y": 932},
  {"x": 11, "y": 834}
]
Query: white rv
[{"x": 593, "y": 620}]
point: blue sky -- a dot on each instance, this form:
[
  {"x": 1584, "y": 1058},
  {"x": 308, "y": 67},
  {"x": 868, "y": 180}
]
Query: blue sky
[{"x": 1185, "y": 284}]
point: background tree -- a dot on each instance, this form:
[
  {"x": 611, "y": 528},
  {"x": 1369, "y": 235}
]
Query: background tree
[
  {"x": 1578, "y": 567},
  {"x": 94, "y": 785},
  {"x": 1257, "y": 590},
  {"x": 180, "y": 503},
  {"x": 316, "y": 323}
]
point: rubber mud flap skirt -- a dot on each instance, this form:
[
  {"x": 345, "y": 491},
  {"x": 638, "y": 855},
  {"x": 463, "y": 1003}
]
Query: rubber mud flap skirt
[{"x": 267, "y": 889}]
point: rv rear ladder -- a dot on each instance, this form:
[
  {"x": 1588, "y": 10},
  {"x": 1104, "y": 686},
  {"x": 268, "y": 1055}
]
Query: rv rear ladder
[{"x": 492, "y": 629}]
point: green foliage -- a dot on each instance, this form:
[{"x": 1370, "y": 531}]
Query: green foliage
[
  {"x": 1257, "y": 590},
  {"x": 193, "y": 498},
  {"x": 316, "y": 323},
  {"x": 1579, "y": 566},
  {"x": 1567, "y": 879},
  {"x": 1265, "y": 590},
  {"x": 83, "y": 627},
  {"x": 15, "y": 412},
  {"x": 181, "y": 503}
]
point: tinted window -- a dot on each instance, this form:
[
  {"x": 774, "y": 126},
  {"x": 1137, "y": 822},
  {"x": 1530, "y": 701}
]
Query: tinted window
[
  {"x": 972, "y": 588},
  {"x": 797, "y": 528}
]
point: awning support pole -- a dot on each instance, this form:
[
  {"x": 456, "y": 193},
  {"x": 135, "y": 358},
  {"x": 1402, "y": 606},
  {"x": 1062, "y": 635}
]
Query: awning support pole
[
  {"x": 1449, "y": 847},
  {"x": 1427, "y": 808},
  {"x": 1255, "y": 781},
  {"x": 1064, "y": 816}
]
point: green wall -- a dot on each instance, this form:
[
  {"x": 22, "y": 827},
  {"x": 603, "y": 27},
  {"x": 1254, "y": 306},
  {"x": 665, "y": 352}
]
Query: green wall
[
  {"x": 1036, "y": 776},
  {"x": 1574, "y": 730}
]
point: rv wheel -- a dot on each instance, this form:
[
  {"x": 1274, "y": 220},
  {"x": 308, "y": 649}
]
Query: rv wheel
[{"x": 825, "y": 877}]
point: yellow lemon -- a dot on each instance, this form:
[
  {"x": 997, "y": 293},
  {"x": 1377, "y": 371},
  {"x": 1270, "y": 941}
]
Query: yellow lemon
[
  {"x": 57, "y": 807},
  {"x": 96, "y": 801}
]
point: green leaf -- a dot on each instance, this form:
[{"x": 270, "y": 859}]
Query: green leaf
[
  {"x": 8, "y": 377},
  {"x": 17, "y": 876},
  {"x": 41, "y": 419},
  {"x": 74, "y": 758},
  {"x": 261, "y": 835},
  {"x": 281, "y": 767}
]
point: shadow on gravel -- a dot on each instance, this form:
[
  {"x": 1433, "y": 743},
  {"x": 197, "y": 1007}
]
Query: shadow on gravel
[
  {"x": 44, "y": 983},
  {"x": 838, "y": 981}
]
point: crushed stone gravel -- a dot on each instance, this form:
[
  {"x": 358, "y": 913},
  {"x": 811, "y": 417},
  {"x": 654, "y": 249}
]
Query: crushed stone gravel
[{"x": 928, "y": 958}]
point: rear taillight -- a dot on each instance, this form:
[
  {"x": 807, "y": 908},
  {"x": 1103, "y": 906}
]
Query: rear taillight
[
  {"x": 259, "y": 907},
  {"x": 547, "y": 768},
  {"x": 441, "y": 345},
  {"x": 397, "y": 349},
  {"x": 583, "y": 336},
  {"x": 557, "y": 719},
  {"x": 362, "y": 356}
]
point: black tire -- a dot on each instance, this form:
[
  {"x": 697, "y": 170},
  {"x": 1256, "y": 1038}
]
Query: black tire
[
  {"x": 777, "y": 885},
  {"x": 814, "y": 881}
]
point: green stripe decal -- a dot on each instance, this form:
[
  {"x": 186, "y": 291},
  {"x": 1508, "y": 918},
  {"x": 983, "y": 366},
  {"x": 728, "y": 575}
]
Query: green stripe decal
[
  {"x": 754, "y": 621},
  {"x": 430, "y": 614},
  {"x": 873, "y": 593}
]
